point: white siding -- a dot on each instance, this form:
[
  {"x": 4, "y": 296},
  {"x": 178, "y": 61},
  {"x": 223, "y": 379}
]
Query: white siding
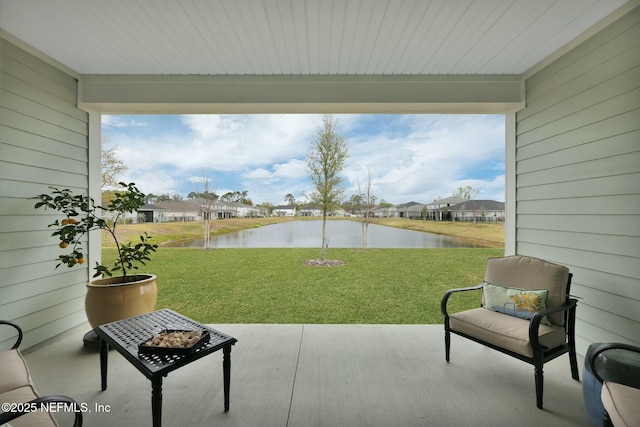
[
  {"x": 578, "y": 177},
  {"x": 43, "y": 141}
]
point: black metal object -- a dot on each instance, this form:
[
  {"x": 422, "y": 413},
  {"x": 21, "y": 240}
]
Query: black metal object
[
  {"x": 598, "y": 371},
  {"x": 91, "y": 340},
  {"x": 541, "y": 354},
  {"x": 125, "y": 336},
  {"x": 17, "y": 328}
]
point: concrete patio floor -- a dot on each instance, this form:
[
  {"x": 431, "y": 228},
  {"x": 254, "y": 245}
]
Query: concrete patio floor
[{"x": 320, "y": 375}]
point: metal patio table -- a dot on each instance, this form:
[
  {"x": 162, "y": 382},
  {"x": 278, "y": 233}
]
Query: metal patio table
[{"x": 125, "y": 336}]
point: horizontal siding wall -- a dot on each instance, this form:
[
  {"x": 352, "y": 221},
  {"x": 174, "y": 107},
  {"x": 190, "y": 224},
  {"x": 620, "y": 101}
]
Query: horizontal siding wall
[
  {"x": 578, "y": 177},
  {"x": 43, "y": 142}
]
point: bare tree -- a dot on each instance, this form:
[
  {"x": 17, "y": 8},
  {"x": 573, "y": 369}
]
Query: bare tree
[
  {"x": 325, "y": 161},
  {"x": 206, "y": 205},
  {"x": 467, "y": 192},
  {"x": 111, "y": 166},
  {"x": 368, "y": 202}
]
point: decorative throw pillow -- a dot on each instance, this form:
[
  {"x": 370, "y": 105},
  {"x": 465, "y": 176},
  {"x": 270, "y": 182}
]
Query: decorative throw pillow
[{"x": 517, "y": 302}]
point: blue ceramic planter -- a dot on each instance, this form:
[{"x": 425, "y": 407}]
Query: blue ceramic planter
[{"x": 613, "y": 365}]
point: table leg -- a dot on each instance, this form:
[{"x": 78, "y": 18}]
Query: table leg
[
  {"x": 156, "y": 400},
  {"x": 226, "y": 369},
  {"x": 104, "y": 354}
]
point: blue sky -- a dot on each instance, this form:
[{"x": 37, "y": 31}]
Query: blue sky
[{"x": 411, "y": 157}]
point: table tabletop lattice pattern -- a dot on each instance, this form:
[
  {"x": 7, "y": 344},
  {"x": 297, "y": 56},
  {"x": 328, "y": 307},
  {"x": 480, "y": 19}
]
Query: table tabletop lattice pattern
[{"x": 137, "y": 330}]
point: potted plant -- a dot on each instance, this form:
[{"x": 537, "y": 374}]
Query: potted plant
[{"x": 112, "y": 297}]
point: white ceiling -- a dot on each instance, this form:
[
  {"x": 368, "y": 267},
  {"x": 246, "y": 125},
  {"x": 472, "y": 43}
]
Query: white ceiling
[{"x": 300, "y": 37}]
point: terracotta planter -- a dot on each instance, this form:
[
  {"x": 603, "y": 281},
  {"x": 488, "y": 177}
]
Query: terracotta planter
[{"x": 111, "y": 299}]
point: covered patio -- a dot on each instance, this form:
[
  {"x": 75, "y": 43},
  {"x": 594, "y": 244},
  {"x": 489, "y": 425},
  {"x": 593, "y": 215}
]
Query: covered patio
[
  {"x": 322, "y": 375},
  {"x": 564, "y": 73}
]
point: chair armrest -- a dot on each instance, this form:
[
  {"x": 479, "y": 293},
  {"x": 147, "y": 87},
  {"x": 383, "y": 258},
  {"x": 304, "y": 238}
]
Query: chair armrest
[
  {"x": 447, "y": 294},
  {"x": 604, "y": 347},
  {"x": 5, "y": 417},
  {"x": 534, "y": 326},
  {"x": 19, "y": 340}
]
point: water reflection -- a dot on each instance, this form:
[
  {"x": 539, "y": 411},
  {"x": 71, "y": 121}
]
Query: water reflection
[{"x": 341, "y": 234}]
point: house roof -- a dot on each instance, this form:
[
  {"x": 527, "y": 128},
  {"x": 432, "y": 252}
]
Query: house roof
[
  {"x": 448, "y": 201},
  {"x": 177, "y": 205},
  {"x": 407, "y": 205},
  {"x": 294, "y": 38},
  {"x": 237, "y": 205},
  {"x": 478, "y": 205},
  {"x": 150, "y": 207}
]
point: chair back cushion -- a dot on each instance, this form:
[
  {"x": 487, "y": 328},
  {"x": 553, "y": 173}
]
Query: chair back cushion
[{"x": 531, "y": 273}]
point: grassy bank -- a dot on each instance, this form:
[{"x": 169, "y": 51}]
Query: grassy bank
[
  {"x": 175, "y": 231},
  {"x": 397, "y": 286},
  {"x": 488, "y": 233}
]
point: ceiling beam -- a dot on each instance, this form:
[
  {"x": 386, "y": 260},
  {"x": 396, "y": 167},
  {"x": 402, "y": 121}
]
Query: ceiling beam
[{"x": 147, "y": 94}]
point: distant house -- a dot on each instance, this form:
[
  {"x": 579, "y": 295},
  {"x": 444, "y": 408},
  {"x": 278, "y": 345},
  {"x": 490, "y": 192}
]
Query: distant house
[
  {"x": 392, "y": 212},
  {"x": 478, "y": 210},
  {"x": 446, "y": 202},
  {"x": 191, "y": 210},
  {"x": 152, "y": 213},
  {"x": 310, "y": 211},
  {"x": 439, "y": 209},
  {"x": 225, "y": 209},
  {"x": 179, "y": 210},
  {"x": 253, "y": 211},
  {"x": 246, "y": 211},
  {"x": 284, "y": 211},
  {"x": 381, "y": 212},
  {"x": 238, "y": 210},
  {"x": 410, "y": 210}
]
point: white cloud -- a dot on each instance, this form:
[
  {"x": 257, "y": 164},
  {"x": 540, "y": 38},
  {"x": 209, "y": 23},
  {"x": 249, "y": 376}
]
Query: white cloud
[
  {"x": 120, "y": 121},
  {"x": 237, "y": 142},
  {"x": 154, "y": 182},
  {"x": 260, "y": 174}
]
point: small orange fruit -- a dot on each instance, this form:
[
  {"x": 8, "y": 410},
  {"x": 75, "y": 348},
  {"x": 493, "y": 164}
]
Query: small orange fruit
[
  {"x": 80, "y": 260},
  {"x": 65, "y": 221},
  {"x": 73, "y": 221},
  {"x": 63, "y": 245}
]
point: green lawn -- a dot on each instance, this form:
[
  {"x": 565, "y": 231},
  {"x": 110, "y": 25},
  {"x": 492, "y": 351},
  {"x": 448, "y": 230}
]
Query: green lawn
[{"x": 393, "y": 286}]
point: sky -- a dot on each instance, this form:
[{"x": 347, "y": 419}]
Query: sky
[{"x": 418, "y": 158}]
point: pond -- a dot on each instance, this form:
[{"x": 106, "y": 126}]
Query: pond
[{"x": 340, "y": 234}]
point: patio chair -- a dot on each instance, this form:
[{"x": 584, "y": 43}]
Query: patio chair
[
  {"x": 620, "y": 398},
  {"x": 525, "y": 312},
  {"x": 17, "y": 391}
]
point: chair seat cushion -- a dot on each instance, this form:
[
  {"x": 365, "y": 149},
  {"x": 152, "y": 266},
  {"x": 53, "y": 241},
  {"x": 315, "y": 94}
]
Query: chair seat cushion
[
  {"x": 34, "y": 419},
  {"x": 621, "y": 403},
  {"x": 14, "y": 371},
  {"x": 511, "y": 333}
]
